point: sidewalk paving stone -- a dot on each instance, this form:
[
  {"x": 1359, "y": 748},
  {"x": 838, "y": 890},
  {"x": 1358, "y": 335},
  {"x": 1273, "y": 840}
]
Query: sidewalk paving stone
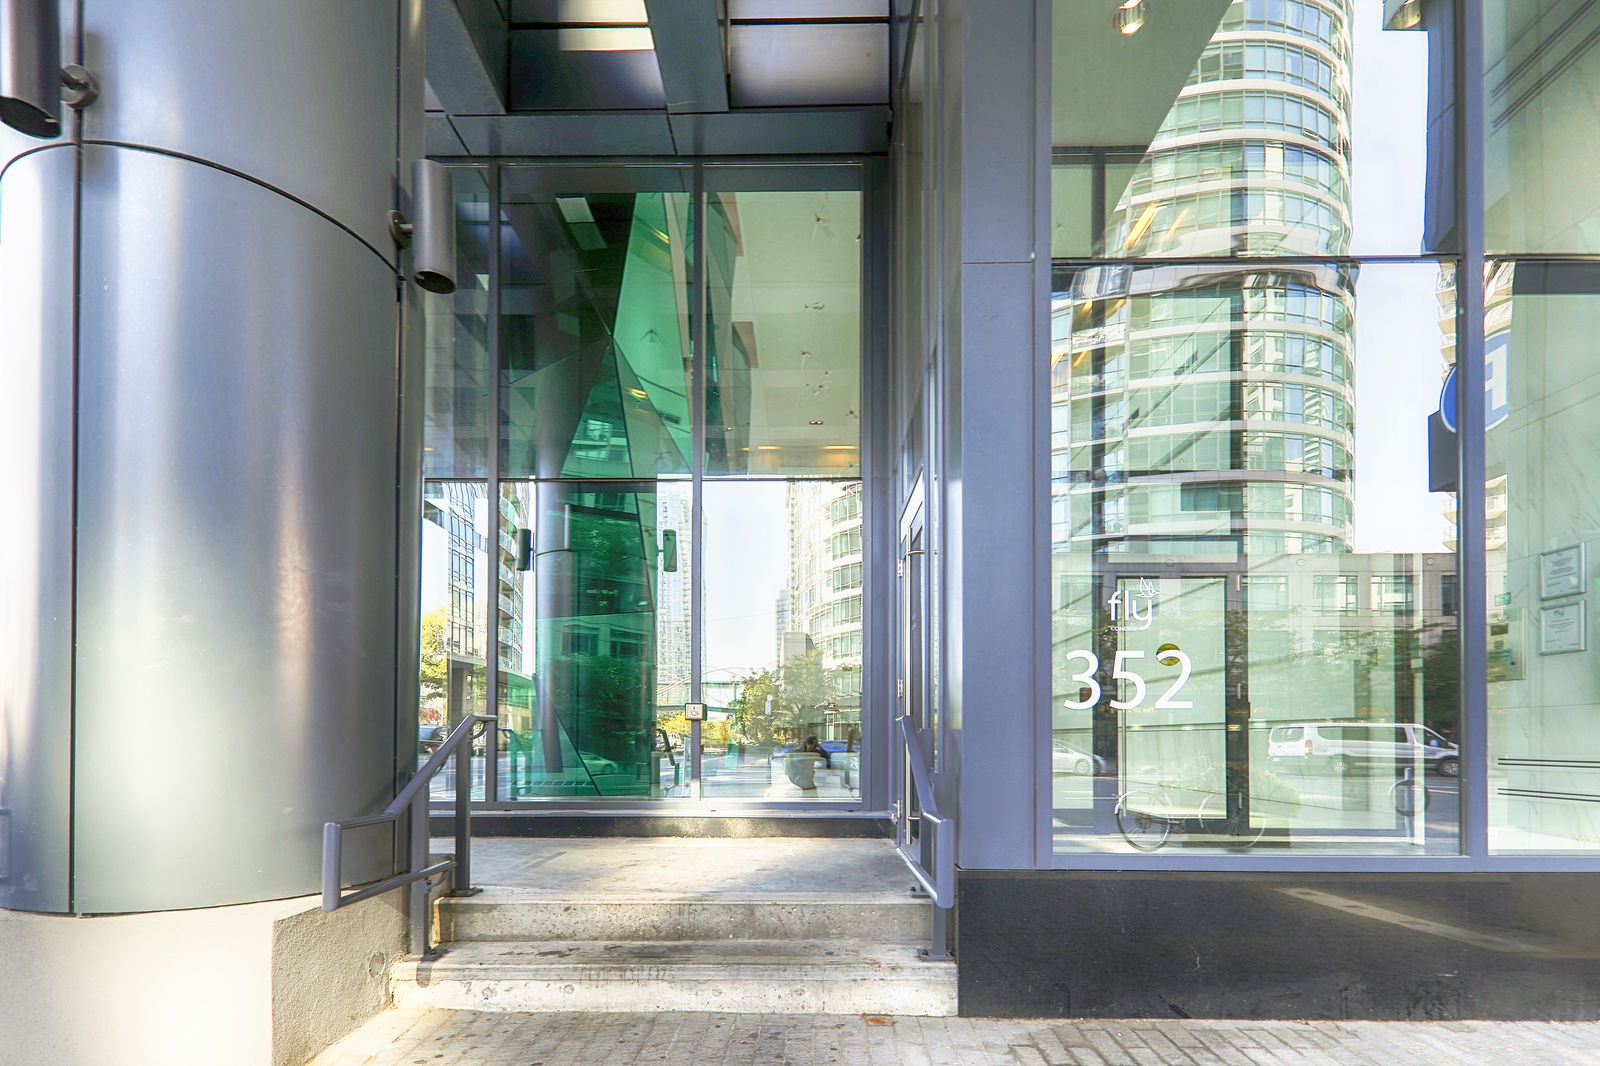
[{"x": 417, "y": 1037}]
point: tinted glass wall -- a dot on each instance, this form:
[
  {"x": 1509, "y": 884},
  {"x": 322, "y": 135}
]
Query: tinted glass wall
[
  {"x": 672, "y": 517},
  {"x": 1541, "y": 220},
  {"x": 1254, "y": 577}
]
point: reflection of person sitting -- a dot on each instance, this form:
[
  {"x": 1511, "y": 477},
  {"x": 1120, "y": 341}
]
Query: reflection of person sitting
[{"x": 801, "y": 765}]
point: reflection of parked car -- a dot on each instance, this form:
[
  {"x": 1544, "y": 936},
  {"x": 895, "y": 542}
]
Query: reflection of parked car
[
  {"x": 1354, "y": 744},
  {"x": 1066, "y": 759},
  {"x": 792, "y": 767},
  {"x": 429, "y": 737},
  {"x": 832, "y": 747}
]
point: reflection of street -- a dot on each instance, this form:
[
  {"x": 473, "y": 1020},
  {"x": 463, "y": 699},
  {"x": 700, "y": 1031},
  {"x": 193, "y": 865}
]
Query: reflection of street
[
  {"x": 1326, "y": 810},
  {"x": 754, "y": 774}
]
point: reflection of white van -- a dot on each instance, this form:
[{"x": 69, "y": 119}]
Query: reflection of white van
[{"x": 1364, "y": 744}]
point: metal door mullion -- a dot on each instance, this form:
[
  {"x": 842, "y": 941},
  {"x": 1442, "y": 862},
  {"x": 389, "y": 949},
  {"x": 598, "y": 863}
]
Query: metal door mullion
[
  {"x": 698, "y": 273},
  {"x": 491, "y": 657},
  {"x": 1472, "y": 558}
]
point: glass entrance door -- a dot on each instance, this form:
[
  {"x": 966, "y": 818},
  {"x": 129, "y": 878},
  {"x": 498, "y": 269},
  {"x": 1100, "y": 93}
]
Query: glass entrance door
[
  {"x": 666, "y": 594},
  {"x": 1152, "y": 732}
]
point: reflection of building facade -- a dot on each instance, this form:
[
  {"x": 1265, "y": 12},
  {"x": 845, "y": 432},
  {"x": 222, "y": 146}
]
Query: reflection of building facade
[
  {"x": 459, "y": 512},
  {"x": 673, "y": 620},
  {"x": 1200, "y": 409},
  {"x": 824, "y": 599}
]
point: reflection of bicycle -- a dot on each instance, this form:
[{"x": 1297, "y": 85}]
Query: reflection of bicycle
[
  {"x": 1146, "y": 820},
  {"x": 1404, "y": 792}
]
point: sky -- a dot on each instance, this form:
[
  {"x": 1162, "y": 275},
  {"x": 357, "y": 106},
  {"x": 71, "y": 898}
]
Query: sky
[{"x": 1398, "y": 365}]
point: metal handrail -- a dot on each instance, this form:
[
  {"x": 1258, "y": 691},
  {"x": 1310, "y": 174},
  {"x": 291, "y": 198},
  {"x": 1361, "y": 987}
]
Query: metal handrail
[
  {"x": 412, "y": 800},
  {"x": 940, "y": 882}
]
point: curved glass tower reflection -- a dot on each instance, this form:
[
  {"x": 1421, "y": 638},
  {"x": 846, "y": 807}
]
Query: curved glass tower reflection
[{"x": 1208, "y": 408}]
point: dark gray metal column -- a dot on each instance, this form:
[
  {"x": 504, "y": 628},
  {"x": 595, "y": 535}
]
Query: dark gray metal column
[
  {"x": 36, "y": 375},
  {"x": 994, "y": 596},
  {"x": 241, "y": 469}
]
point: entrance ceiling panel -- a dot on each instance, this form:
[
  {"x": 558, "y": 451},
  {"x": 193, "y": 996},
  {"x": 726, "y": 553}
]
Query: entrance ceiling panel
[
  {"x": 442, "y": 138},
  {"x": 809, "y": 64},
  {"x": 749, "y": 132},
  {"x": 602, "y": 68},
  {"x": 740, "y": 77},
  {"x": 801, "y": 10},
  {"x": 690, "y": 50},
  {"x": 608, "y": 12},
  {"x": 1115, "y": 90},
  {"x": 643, "y": 133},
  {"x": 467, "y": 42}
]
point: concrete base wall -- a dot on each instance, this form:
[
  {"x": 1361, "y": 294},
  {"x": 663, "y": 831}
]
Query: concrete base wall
[{"x": 265, "y": 984}]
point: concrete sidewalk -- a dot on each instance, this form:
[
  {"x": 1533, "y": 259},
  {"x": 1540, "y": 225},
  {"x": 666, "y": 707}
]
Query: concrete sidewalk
[{"x": 468, "y": 1038}]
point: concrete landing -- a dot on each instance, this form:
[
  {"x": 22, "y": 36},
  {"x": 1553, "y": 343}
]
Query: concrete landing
[
  {"x": 677, "y": 868},
  {"x": 795, "y": 925}
]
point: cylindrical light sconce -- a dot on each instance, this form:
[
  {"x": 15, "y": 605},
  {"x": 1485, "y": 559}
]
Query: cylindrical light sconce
[
  {"x": 30, "y": 66},
  {"x": 433, "y": 234}
]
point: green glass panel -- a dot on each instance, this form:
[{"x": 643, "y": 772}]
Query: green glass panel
[
  {"x": 594, "y": 592},
  {"x": 595, "y": 323}
]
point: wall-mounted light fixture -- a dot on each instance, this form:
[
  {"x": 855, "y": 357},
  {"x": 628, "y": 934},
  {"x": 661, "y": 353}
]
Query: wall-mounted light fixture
[
  {"x": 33, "y": 83},
  {"x": 1130, "y": 16},
  {"x": 432, "y": 235}
]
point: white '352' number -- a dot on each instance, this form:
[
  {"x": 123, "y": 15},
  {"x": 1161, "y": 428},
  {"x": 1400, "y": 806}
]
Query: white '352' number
[{"x": 1085, "y": 680}]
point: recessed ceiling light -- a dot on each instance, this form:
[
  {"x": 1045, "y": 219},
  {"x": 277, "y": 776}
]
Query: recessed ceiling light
[
  {"x": 816, "y": 421},
  {"x": 1130, "y": 16}
]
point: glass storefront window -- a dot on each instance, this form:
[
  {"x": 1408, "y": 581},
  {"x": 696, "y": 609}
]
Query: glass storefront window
[
  {"x": 1253, "y": 551},
  {"x": 1252, "y": 646},
  {"x": 1542, "y": 530}
]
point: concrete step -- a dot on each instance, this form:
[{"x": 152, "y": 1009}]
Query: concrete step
[
  {"x": 813, "y": 976},
  {"x": 500, "y": 914}
]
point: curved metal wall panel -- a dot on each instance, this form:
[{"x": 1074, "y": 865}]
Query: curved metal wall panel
[
  {"x": 36, "y": 244},
  {"x": 300, "y": 94},
  {"x": 237, "y": 522}
]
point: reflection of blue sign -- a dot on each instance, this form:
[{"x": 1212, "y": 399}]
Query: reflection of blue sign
[{"x": 1496, "y": 385}]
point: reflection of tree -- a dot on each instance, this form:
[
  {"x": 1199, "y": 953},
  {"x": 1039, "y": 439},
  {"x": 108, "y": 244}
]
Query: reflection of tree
[
  {"x": 434, "y": 672},
  {"x": 779, "y": 704},
  {"x": 604, "y": 693},
  {"x": 713, "y": 731},
  {"x": 1441, "y": 678}
]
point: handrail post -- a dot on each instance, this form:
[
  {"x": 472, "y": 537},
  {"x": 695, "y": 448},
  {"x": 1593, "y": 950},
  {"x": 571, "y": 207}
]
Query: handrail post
[
  {"x": 413, "y": 807},
  {"x": 420, "y": 938},
  {"x": 463, "y": 870}
]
